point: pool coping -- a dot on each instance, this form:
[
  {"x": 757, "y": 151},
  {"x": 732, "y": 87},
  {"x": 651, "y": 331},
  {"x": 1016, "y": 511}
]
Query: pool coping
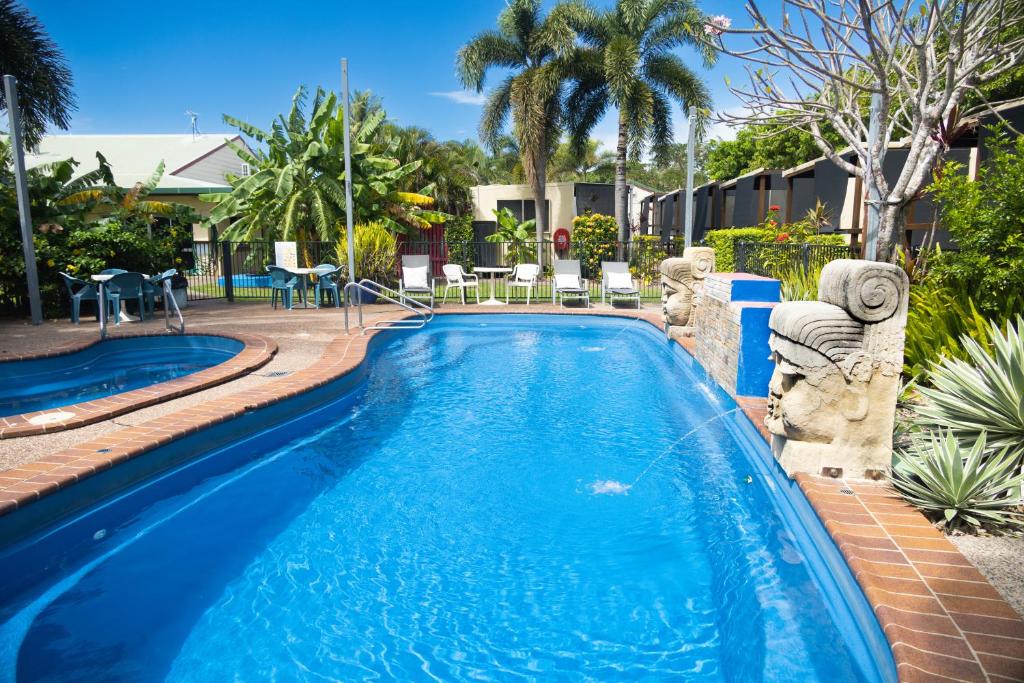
[
  {"x": 256, "y": 352},
  {"x": 942, "y": 618}
]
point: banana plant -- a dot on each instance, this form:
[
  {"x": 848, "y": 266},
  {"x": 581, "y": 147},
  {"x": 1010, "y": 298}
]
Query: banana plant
[{"x": 297, "y": 189}]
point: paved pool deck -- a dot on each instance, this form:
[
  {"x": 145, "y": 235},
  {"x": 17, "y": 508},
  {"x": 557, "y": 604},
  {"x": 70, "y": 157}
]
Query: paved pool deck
[{"x": 946, "y": 610}]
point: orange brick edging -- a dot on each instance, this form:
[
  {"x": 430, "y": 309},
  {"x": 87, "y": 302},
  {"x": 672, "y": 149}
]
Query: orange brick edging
[
  {"x": 943, "y": 619},
  {"x": 256, "y": 353}
]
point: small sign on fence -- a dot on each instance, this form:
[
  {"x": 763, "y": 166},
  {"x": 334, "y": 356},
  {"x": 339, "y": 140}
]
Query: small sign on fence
[{"x": 286, "y": 255}]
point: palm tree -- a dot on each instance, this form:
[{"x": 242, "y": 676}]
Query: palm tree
[
  {"x": 530, "y": 45},
  {"x": 44, "y": 80},
  {"x": 570, "y": 164},
  {"x": 629, "y": 64}
]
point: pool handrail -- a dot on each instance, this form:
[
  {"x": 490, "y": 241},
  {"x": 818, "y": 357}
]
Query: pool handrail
[
  {"x": 378, "y": 290},
  {"x": 165, "y": 279}
]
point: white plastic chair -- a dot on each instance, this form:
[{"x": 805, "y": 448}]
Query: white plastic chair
[
  {"x": 523, "y": 276},
  {"x": 617, "y": 281},
  {"x": 456, "y": 277},
  {"x": 416, "y": 277},
  {"x": 569, "y": 282}
]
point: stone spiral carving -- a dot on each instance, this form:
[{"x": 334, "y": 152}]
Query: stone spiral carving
[
  {"x": 869, "y": 291},
  {"x": 681, "y": 282},
  {"x": 832, "y": 397},
  {"x": 703, "y": 259}
]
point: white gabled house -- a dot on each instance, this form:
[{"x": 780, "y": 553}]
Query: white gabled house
[{"x": 193, "y": 165}]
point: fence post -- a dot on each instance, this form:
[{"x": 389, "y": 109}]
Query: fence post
[
  {"x": 741, "y": 257},
  {"x": 227, "y": 270},
  {"x": 806, "y": 249}
]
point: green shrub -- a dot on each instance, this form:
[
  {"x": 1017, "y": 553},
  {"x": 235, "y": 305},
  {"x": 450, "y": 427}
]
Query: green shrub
[
  {"x": 458, "y": 235},
  {"x": 724, "y": 243},
  {"x": 983, "y": 395},
  {"x": 986, "y": 219},
  {"x": 594, "y": 237},
  {"x": 376, "y": 252},
  {"x": 799, "y": 284},
  {"x": 939, "y": 317},
  {"x": 645, "y": 258},
  {"x": 976, "y": 488}
]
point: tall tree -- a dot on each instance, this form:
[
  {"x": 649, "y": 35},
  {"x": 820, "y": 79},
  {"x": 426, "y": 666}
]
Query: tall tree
[
  {"x": 631, "y": 64},
  {"x": 44, "y": 80},
  {"x": 530, "y": 45},
  {"x": 926, "y": 61},
  {"x": 568, "y": 163}
]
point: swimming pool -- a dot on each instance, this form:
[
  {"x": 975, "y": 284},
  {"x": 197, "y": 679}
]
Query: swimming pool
[
  {"x": 498, "y": 497},
  {"x": 110, "y": 367}
]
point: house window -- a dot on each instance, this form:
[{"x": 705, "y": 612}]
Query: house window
[{"x": 246, "y": 170}]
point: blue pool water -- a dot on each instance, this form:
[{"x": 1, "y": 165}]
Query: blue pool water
[
  {"x": 110, "y": 367},
  {"x": 456, "y": 516}
]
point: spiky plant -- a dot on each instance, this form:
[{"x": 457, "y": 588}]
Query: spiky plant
[
  {"x": 960, "y": 487},
  {"x": 983, "y": 394},
  {"x": 630, "y": 64}
]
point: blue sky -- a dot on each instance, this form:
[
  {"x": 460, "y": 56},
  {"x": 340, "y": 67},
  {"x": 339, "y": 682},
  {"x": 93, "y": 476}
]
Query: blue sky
[{"x": 138, "y": 66}]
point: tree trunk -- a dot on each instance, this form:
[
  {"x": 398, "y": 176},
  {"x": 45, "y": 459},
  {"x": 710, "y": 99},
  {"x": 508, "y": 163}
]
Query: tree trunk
[
  {"x": 891, "y": 227},
  {"x": 621, "y": 199},
  {"x": 539, "y": 183}
]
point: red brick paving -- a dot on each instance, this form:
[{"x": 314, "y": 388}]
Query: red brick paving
[{"x": 257, "y": 352}]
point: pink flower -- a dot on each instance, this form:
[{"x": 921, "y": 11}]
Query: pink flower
[
  {"x": 774, "y": 207},
  {"x": 717, "y": 25}
]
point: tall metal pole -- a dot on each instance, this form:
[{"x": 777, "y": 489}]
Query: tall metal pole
[
  {"x": 28, "y": 248},
  {"x": 691, "y": 143},
  {"x": 874, "y": 203},
  {"x": 349, "y": 232}
]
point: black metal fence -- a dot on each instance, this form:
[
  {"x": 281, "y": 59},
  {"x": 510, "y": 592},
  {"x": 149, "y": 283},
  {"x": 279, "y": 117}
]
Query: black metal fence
[
  {"x": 237, "y": 270},
  {"x": 775, "y": 259}
]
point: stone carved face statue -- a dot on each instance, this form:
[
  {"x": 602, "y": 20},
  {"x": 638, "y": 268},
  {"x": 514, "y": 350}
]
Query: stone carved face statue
[
  {"x": 832, "y": 394},
  {"x": 681, "y": 279}
]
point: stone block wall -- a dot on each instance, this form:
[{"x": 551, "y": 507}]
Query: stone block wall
[{"x": 731, "y": 331}]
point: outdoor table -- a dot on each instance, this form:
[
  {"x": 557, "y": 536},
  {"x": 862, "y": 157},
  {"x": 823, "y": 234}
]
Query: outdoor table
[
  {"x": 303, "y": 273},
  {"x": 493, "y": 270},
  {"x": 100, "y": 281}
]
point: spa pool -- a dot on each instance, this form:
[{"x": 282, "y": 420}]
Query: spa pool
[
  {"x": 109, "y": 367},
  {"x": 490, "y": 498}
]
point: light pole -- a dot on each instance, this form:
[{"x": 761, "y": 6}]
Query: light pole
[
  {"x": 346, "y": 115},
  {"x": 28, "y": 248}
]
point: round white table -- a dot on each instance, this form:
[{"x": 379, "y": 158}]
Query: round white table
[
  {"x": 101, "y": 296},
  {"x": 493, "y": 270}
]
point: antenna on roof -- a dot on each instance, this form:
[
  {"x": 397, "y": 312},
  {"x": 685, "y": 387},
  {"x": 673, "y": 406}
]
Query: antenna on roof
[{"x": 194, "y": 118}]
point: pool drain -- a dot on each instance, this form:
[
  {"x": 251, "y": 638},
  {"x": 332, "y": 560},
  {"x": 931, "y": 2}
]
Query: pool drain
[{"x": 846, "y": 491}]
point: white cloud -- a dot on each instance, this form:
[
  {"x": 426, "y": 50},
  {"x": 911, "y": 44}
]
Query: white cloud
[{"x": 463, "y": 96}]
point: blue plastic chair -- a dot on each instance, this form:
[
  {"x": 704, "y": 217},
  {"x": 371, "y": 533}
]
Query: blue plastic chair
[
  {"x": 79, "y": 291},
  {"x": 286, "y": 283},
  {"x": 125, "y": 286},
  {"x": 327, "y": 281}
]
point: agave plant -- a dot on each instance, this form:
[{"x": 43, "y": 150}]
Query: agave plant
[
  {"x": 984, "y": 395},
  {"x": 976, "y": 488}
]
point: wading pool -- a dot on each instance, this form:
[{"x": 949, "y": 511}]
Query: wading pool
[
  {"x": 493, "y": 497},
  {"x": 110, "y": 367}
]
